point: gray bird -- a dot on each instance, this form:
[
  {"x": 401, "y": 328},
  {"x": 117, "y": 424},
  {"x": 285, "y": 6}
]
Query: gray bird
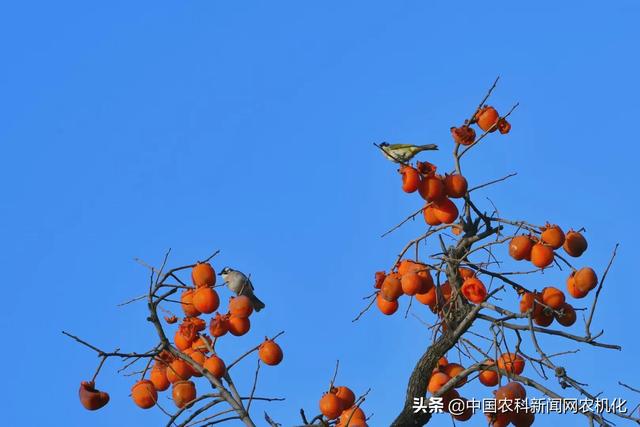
[{"x": 240, "y": 284}]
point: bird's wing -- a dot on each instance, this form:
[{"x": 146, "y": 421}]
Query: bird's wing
[
  {"x": 390, "y": 153},
  {"x": 400, "y": 146},
  {"x": 246, "y": 280}
]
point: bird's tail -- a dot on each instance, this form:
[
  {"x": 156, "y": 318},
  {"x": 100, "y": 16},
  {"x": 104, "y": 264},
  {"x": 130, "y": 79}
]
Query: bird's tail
[
  {"x": 257, "y": 304},
  {"x": 428, "y": 147}
]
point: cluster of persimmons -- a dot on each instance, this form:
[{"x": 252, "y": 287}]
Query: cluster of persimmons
[
  {"x": 550, "y": 303},
  {"x": 506, "y": 396},
  {"x": 340, "y": 403},
  {"x": 438, "y": 190},
  {"x": 191, "y": 340},
  {"x": 414, "y": 279}
]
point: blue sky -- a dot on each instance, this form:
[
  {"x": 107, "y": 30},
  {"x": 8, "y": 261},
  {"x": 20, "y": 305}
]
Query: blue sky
[{"x": 131, "y": 127}]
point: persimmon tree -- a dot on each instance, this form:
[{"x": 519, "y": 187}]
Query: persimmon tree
[
  {"x": 189, "y": 354},
  {"x": 489, "y": 314}
]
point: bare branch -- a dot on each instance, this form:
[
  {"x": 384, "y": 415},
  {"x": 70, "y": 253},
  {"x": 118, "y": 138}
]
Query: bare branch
[{"x": 595, "y": 300}]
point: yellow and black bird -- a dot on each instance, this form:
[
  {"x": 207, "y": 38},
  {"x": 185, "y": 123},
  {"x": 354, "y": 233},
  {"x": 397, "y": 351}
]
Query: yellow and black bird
[{"x": 403, "y": 153}]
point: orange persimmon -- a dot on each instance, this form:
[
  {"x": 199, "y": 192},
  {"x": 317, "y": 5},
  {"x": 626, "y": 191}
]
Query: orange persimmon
[
  {"x": 215, "y": 365},
  {"x": 455, "y": 186},
  {"x": 474, "y": 290},
  {"x": 270, "y": 352},
  {"x": 239, "y": 326},
  {"x": 92, "y": 398},
  {"x": 385, "y": 306},
  {"x": 144, "y": 394},
  {"x": 410, "y": 179},
  {"x": 183, "y": 392},
  {"x": 202, "y": 274}
]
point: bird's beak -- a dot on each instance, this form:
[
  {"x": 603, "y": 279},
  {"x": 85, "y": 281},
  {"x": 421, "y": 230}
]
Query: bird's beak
[{"x": 220, "y": 274}]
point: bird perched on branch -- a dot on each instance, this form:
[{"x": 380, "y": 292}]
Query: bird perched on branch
[
  {"x": 403, "y": 153},
  {"x": 240, "y": 284}
]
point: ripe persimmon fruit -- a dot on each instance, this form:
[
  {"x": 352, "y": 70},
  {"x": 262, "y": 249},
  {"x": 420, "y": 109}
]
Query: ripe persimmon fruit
[
  {"x": 431, "y": 188},
  {"x": 347, "y": 397},
  {"x": 410, "y": 179},
  {"x": 454, "y": 369},
  {"x": 445, "y": 210},
  {"x": 510, "y": 392},
  {"x": 474, "y": 290},
  {"x": 411, "y": 283},
  {"x": 511, "y": 362},
  {"x": 575, "y": 244},
  {"x": 552, "y": 235},
  {"x": 219, "y": 325},
  {"x": 543, "y": 318},
  {"x": 346, "y": 416},
  {"x": 183, "y": 392},
  {"x": 182, "y": 343},
  {"x": 553, "y": 297},
  {"x": 520, "y": 247},
  {"x": 270, "y": 352},
  {"x": 463, "y": 135},
  {"x": 427, "y": 298},
  {"x": 410, "y": 266},
  {"x": 487, "y": 377},
  {"x": 202, "y": 274},
  {"x": 573, "y": 289},
  {"x": 144, "y": 394},
  {"x": 90, "y": 397},
  {"x": 586, "y": 279},
  {"x": 541, "y": 255},
  {"x": 178, "y": 370},
  {"x": 487, "y": 118},
  {"x": 330, "y": 406},
  {"x": 215, "y": 365},
  {"x": 239, "y": 326},
  {"x": 199, "y": 358},
  {"x": 437, "y": 380},
  {"x": 205, "y": 300},
  {"x": 386, "y": 307},
  {"x": 504, "y": 126},
  {"x": 568, "y": 316},
  {"x": 429, "y": 214},
  {"x": 527, "y": 302},
  {"x": 240, "y": 306},
  {"x": 158, "y": 377},
  {"x": 186, "y": 299},
  {"x": 455, "y": 186}
]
